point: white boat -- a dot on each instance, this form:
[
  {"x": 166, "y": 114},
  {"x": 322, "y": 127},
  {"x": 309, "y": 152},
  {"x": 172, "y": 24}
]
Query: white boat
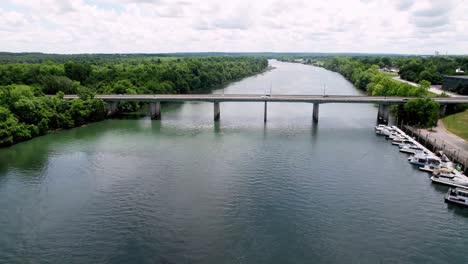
[
  {"x": 386, "y": 130},
  {"x": 421, "y": 159},
  {"x": 397, "y": 138},
  {"x": 378, "y": 129},
  {"x": 392, "y": 135},
  {"x": 405, "y": 143},
  {"x": 444, "y": 167},
  {"x": 451, "y": 180},
  {"x": 429, "y": 168},
  {"x": 458, "y": 196},
  {"x": 412, "y": 150},
  {"x": 401, "y": 140},
  {"x": 381, "y": 127},
  {"x": 449, "y": 172}
]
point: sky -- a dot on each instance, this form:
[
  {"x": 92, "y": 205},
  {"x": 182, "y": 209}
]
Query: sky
[{"x": 166, "y": 26}]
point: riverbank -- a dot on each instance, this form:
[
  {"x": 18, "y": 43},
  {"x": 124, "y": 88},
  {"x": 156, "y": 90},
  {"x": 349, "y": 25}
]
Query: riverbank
[
  {"x": 439, "y": 138},
  {"x": 186, "y": 190},
  {"x": 26, "y": 112}
]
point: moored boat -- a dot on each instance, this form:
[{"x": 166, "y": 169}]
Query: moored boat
[
  {"x": 450, "y": 180},
  {"x": 457, "y": 196},
  {"x": 401, "y": 140},
  {"x": 429, "y": 168},
  {"x": 412, "y": 150},
  {"x": 421, "y": 159}
]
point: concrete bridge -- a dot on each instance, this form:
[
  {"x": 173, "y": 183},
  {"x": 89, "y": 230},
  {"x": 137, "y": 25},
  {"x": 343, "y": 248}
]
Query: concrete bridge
[{"x": 155, "y": 100}]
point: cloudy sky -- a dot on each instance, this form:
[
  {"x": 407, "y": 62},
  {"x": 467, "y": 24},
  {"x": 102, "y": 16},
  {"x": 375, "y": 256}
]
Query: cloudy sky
[{"x": 127, "y": 26}]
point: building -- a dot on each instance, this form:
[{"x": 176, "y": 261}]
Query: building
[{"x": 457, "y": 84}]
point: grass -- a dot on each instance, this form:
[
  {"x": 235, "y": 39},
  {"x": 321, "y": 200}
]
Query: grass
[
  {"x": 390, "y": 74},
  {"x": 457, "y": 124}
]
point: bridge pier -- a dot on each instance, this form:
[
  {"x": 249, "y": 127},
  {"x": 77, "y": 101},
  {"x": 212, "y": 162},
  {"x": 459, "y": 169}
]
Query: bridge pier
[
  {"x": 265, "y": 113},
  {"x": 383, "y": 114},
  {"x": 111, "y": 108},
  {"x": 155, "y": 110},
  {"x": 217, "y": 111},
  {"x": 315, "y": 113},
  {"x": 442, "y": 110}
]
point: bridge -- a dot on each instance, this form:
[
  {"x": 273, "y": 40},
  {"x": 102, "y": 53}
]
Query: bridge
[{"x": 154, "y": 100}]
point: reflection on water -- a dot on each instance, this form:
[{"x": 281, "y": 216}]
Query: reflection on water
[{"x": 188, "y": 190}]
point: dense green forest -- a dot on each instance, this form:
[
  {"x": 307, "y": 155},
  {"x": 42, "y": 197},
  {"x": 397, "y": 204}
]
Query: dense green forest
[
  {"x": 131, "y": 75},
  {"x": 26, "y": 111},
  {"x": 365, "y": 73},
  {"x": 431, "y": 69},
  {"x": 416, "y": 69},
  {"x": 411, "y": 68},
  {"x": 367, "y": 77}
]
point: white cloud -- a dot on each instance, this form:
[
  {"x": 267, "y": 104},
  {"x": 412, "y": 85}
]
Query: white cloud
[{"x": 77, "y": 26}]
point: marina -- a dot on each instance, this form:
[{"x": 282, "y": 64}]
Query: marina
[
  {"x": 189, "y": 190},
  {"x": 443, "y": 171}
]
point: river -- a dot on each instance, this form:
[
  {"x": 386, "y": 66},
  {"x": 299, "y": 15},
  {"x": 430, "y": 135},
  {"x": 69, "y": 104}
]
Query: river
[{"x": 186, "y": 190}]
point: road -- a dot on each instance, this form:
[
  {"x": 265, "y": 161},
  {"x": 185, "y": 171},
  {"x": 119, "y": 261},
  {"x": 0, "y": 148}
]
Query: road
[
  {"x": 437, "y": 89},
  {"x": 450, "y": 143},
  {"x": 262, "y": 98}
]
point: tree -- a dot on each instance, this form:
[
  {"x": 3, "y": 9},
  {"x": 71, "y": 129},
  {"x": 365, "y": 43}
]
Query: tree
[
  {"x": 53, "y": 84},
  {"x": 85, "y": 93},
  {"x": 11, "y": 130},
  {"x": 77, "y": 71},
  {"x": 421, "y": 111},
  {"x": 26, "y": 113},
  {"x": 16, "y": 92},
  {"x": 120, "y": 87},
  {"x": 425, "y": 84}
]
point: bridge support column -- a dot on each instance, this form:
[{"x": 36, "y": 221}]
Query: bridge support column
[
  {"x": 217, "y": 111},
  {"x": 383, "y": 114},
  {"x": 315, "y": 113},
  {"x": 442, "y": 109},
  {"x": 155, "y": 110},
  {"x": 265, "y": 113},
  {"x": 111, "y": 108}
]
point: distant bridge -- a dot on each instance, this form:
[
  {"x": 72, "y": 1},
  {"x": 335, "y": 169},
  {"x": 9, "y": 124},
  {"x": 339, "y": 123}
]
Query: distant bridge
[{"x": 155, "y": 101}]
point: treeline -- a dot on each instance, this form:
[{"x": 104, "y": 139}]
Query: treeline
[
  {"x": 26, "y": 111},
  {"x": 422, "y": 112},
  {"x": 144, "y": 75},
  {"x": 410, "y": 68},
  {"x": 367, "y": 77},
  {"x": 431, "y": 69},
  {"x": 24, "y": 115},
  {"x": 366, "y": 73}
]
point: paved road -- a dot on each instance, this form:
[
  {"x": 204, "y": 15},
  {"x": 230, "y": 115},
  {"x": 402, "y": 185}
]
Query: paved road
[
  {"x": 437, "y": 89},
  {"x": 452, "y": 144},
  {"x": 263, "y": 98}
]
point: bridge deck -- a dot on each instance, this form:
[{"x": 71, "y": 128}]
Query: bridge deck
[{"x": 263, "y": 98}]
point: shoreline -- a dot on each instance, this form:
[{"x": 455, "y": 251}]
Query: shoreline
[{"x": 453, "y": 146}]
